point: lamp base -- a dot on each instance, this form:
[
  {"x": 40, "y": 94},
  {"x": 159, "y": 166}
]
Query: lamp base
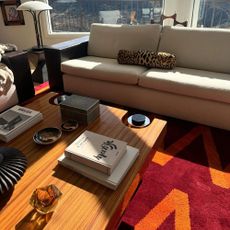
[{"x": 38, "y": 48}]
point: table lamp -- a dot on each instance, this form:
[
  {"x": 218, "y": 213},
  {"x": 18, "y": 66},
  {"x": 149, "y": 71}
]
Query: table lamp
[{"x": 36, "y": 8}]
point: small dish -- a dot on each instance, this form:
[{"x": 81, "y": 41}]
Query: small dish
[
  {"x": 69, "y": 125},
  {"x": 47, "y": 136},
  {"x": 145, "y": 123}
]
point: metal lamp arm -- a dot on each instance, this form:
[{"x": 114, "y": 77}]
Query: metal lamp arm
[
  {"x": 39, "y": 26},
  {"x": 36, "y": 26}
]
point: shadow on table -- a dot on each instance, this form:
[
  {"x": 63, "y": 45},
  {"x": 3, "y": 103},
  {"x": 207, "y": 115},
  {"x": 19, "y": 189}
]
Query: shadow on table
[
  {"x": 4, "y": 198},
  {"x": 34, "y": 220}
]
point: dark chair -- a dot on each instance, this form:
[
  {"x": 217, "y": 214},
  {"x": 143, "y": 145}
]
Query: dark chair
[
  {"x": 185, "y": 23},
  {"x": 60, "y": 52},
  {"x": 163, "y": 17}
]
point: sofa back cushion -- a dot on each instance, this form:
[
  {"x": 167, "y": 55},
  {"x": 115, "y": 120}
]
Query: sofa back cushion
[
  {"x": 204, "y": 49},
  {"x": 107, "y": 39}
]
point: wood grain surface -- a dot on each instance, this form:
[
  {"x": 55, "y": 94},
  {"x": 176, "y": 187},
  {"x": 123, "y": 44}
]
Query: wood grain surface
[{"x": 84, "y": 204}]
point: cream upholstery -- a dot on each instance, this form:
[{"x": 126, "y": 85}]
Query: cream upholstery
[
  {"x": 197, "y": 89},
  {"x": 189, "y": 82},
  {"x": 106, "y": 69},
  {"x": 106, "y": 40},
  {"x": 205, "y": 49},
  {"x": 170, "y": 104}
]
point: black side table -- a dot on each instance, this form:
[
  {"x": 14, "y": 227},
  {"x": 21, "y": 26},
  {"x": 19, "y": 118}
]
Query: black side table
[{"x": 37, "y": 65}]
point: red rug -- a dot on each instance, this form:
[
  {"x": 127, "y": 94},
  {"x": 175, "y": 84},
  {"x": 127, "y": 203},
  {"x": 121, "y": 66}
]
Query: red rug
[
  {"x": 186, "y": 185},
  {"x": 41, "y": 88}
]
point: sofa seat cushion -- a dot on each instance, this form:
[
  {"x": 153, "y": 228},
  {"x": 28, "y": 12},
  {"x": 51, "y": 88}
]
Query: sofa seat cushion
[
  {"x": 189, "y": 82},
  {"x": 105, "y": 69}
]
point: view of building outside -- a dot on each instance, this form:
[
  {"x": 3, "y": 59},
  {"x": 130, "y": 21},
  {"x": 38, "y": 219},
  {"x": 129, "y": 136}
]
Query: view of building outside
[
  {"x": 214, "y": 13},
  {"x": 78, "y": 15}
]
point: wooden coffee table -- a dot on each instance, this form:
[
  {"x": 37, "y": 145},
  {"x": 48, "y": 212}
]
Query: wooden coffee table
[{"x": 84, "y": 204}]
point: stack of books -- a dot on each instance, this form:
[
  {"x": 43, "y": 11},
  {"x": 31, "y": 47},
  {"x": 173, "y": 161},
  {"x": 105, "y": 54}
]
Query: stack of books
[
  {"x": 16, "y": 120},
  {"x": 100, "y": 158}
]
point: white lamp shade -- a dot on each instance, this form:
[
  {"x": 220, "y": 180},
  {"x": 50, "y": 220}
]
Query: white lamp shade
[{"x": 34, "y": 6}]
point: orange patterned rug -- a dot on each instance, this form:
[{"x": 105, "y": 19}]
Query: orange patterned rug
[
  {"x": 187, "y": 184},
  {"x": 41, "y": 88}
]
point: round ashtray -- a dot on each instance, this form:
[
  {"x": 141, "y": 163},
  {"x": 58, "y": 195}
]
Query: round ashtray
[
  {"x": 138, "y": 120},
  {"x": 69, "y": 125},
  {"x": 47, "y": 136}
]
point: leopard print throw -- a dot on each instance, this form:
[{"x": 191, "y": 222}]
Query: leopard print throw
[
  {"x": 152, "y": 59},
  {"x": 127, "y": 57},
  {"x": 147, "y": 58}
]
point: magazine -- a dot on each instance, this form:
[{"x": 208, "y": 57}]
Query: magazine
[
  {"x": 16, "y": 120},
  {"x": 97, "y": 151}
]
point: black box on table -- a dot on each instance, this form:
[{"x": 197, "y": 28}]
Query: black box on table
[{"x": 83, "y": 109}]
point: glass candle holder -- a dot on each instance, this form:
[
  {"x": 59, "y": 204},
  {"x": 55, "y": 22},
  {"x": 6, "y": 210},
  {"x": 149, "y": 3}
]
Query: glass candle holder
[{"x": 45, "y": 199}]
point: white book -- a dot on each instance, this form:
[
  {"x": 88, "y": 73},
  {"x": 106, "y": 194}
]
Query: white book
[
  {"x": 22, "y": 129},
  {"x": 97, "y": 151},
  {"x": 111, "y": 181},
  {"x": 16, "y": 120}
]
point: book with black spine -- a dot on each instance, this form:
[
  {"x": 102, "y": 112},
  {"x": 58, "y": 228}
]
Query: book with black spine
[{"x": 96, "y": 151}]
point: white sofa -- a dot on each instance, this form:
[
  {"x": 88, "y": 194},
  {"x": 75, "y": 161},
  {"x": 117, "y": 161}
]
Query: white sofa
[{"x": 197, "y": 89}]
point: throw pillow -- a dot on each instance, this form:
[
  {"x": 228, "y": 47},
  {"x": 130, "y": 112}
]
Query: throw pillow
[
  {"x": 146, "y": 58},
  {"x": 165, "y": 60},
  {"x": 152, "y": 59},
  {"x": 127, "y": 57}
]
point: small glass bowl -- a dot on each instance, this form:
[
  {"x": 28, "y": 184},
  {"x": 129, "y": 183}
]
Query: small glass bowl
[
  {"x": 47, "y": 135},
  {"x": 45, "y": 199}
]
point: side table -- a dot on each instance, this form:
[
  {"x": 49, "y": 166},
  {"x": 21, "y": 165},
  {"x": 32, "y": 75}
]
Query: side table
[{"x": 37, "y": 65}]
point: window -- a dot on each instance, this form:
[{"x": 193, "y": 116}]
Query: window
[
  {"x": 78, "y": 15},
  {"x": 214, "y": 13}
]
